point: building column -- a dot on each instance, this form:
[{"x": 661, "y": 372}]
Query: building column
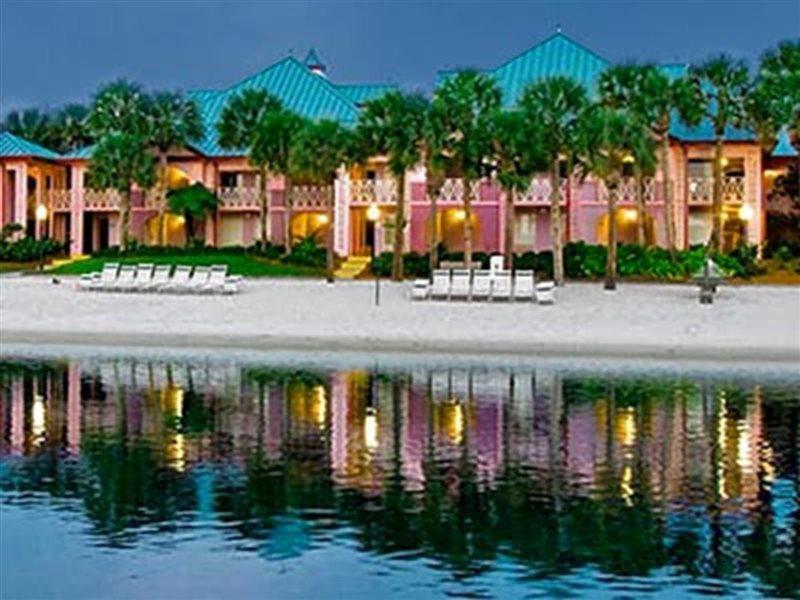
[
  {"x": 501, "y": 229},
  {"x": 341, "y": 211},
  {"x": 21, "y": 196},
  {"x": 40, "y": 227},
  {"x": 76, "y": 208}
]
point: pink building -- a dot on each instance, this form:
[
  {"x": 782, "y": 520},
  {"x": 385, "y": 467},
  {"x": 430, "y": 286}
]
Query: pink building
[{"x": 33, "y": 176}]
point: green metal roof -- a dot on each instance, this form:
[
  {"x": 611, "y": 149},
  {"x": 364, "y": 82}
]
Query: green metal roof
[
  {"x": 307, "y": 94},
  {"x": 359, "y": 94},
  {"x": 12, "y": 145}
]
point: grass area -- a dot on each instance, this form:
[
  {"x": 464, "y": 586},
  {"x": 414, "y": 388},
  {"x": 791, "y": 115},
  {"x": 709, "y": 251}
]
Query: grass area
[{"x": 238, "y": 264}]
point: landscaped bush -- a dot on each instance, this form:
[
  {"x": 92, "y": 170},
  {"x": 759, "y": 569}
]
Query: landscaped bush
[
  {"x": 29, "y": 249},
  {"x": 307, "y": 253}
]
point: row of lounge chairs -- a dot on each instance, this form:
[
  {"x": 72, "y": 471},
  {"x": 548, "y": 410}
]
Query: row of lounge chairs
[
  {"x": 466, "y": 284},
  {"x": 147, "y": 277}
]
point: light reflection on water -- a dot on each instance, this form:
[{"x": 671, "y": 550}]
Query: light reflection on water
[{"x": 423, "y": 481}]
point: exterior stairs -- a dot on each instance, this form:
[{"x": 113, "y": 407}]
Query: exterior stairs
[
  {"x": 353, "y": 267},
  {"x": 59, "y": 262}
]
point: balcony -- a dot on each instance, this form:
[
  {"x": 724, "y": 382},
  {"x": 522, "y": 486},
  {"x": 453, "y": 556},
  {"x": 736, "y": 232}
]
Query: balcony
[
  {"x": 701, "y": 190},
  {"x": 238, "y": 198},
  {"x": 373, "y": 191},
  {"x": 311, "y": 197},
  {"x": 59, "y": 200},
  {"x": 538, "y": 192}
]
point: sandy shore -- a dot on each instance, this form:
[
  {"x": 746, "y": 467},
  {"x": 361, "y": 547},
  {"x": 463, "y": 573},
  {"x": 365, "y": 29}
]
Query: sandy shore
[{"x": 637, "y": 321}]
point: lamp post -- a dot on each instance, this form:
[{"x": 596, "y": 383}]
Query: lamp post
[
  {"x": 41, "y": 217},
  {"x": 373, "y": 215}
]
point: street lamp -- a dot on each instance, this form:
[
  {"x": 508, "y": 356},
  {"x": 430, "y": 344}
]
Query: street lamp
[
  {"x": 41, "y": 217},
  {"x": 373, "y": 215}
]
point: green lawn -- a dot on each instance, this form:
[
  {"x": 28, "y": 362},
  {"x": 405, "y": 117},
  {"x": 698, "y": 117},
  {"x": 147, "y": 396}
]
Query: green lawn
[{"x": 238, "y": 264}]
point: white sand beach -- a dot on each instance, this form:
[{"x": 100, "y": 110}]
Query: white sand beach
[{"x": 638, "y": 321}]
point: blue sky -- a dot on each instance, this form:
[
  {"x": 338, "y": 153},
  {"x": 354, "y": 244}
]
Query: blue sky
[{"x": 55, "y": 52}]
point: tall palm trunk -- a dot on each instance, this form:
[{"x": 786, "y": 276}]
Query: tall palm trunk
[
  {"x": 263, "y": 206},
  {"x": 669, "y": 201},
  {"x": 611, "y": 255},
  {"x": 467, "y": 201},
  {"x": 641, "y": 215},
  {"x": 330, "y": 257},
  {"x": 399, "y": 229},
  {"x": 124, "y": 218},
  {"x": 433, "y": 240},
  {"x": 287, "y": 213},
  {"x": 511, "y": 199},
  {"x": 162, "y": 198},
  {"x": 555, "y": 224},
  {"x": 715, "y": 243}
]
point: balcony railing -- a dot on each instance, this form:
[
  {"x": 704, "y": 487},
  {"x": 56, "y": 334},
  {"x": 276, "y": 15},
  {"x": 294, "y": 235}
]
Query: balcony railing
[
  {"x": 626, "y": 192},
  {"x": 538, "y": 192},
  {"x": 452, "y": 190},
  {"x": 59, "y": 200},
  {"x": 373, "y": 191},
  {"x": 701, "y": 190},
  {"x": 238, "y": 197},
  {"x": 311, "y": 197}
]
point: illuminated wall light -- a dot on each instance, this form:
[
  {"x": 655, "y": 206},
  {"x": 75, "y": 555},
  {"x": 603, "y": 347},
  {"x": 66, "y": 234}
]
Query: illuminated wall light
[
  {"x": 628, "y": 159},
  {"x": 723, "y": 161},
  {"x": 746, "y": 212},
  {"x": 373, "y": 213},
  {"x": 629, "y": 215},
  {"x": 322, "y": 219},
  {"x": 460, "y": 214}
]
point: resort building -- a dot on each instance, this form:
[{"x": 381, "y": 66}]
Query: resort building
[{"x": 33, "y": 176}]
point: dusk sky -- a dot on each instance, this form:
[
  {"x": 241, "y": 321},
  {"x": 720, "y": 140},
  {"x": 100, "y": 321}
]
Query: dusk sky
[{"x": 55, "y": 52}]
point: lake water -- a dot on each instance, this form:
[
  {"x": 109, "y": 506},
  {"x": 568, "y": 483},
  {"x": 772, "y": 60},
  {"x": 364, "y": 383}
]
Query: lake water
[{"x": 175, "y": 477}]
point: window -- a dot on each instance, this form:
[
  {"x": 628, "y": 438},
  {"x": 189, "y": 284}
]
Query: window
[
  {"x": 525, "y": 229},
  {"x": 699, "y": 227},
  {"x": 700, "y": 169},
  {"x": 48, "y": 182},
  {"x": 227, "y": 179}
]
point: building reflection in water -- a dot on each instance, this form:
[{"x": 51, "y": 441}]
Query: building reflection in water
[{"x": 631, "y": 474}]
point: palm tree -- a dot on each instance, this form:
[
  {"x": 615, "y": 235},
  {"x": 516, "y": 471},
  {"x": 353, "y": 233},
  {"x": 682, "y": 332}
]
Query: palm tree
[
  {"x": 394, "y": 125},
  {"x": 517, "y": 154},
  {"x": 654, "y": 98},
  {"x": 120, "y": 160},
  {"x": 319, "y": 149},
  {"x": 31, "y": 124},
  {"x": 71, "y": 128},
  {"x": 460, "y": 113},
  {"x": 194, "y": 202},
  {"x": 557, "y": 105},
  {"x": 120, "y": 107},
  {"x": 725, "y": 84},
  {"x": 775, "y": 100},
  {"x": 606, "y": 139},
  {"x": 238, "y": 129},
  {"x": 175, "y": 122}
]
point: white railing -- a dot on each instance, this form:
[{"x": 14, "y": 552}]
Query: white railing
[
  {"x": 373, "y": 191},
  {"x": 626, "y": 192},
  {"x": 59, "y": 200},
  {"x": 101, "y": 199},
  {"x": 238, "y": 197},
  {"x": 701, "y": 189},
  {"x": 539, "y": 191},
  {"x": 311, "y": 197},
  {"x": 452, "y": 190}
]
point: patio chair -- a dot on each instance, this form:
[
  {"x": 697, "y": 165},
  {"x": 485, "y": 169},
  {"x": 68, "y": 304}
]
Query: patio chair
[
  {"x": 524, "y": 285},
  {"x": 219, "y": 282},
  {"x": 420, "y": 289},
  {"x": 144, "y": 274},
  {"x": 460, "y": 285},
  {"x": 126, "y": 279},
  {"x": 179, "y": 280},
  {"x": 501, "y": 286},
  {"x": 482, "y": 285},
  {"x": 158, "y": 280},
  {"x": 440, "y": 288},
  {"x": 546, "y": 292},
  {"x": 199, "y": 280},
  {"x": 102, "y": 280}
]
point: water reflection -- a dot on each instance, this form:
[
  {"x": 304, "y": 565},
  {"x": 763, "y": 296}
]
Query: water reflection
[{"x": 658, "y": 480}]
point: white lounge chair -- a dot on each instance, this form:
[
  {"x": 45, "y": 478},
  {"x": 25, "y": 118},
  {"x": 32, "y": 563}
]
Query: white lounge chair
[
  {"x": 219, "y": 282},
  {"x": 179, "y": 280},
  {"x": 482, "y": 285},
  {"x": 126, "y": 279},
  {"x": 501, "y": 286},
  {"x": 546, "y": 292},
  {"x": 420, "y": 289},
  {"x": 460, "y": 285},
  {"x": 144, "y": 274},
  {"x": 440, "y": 288},
  {"x": 159, "y": 279},
  {"x": 524, "y": 288},
  {"x": 103, "y": 280},
  {"x": 199, "y": 280}
]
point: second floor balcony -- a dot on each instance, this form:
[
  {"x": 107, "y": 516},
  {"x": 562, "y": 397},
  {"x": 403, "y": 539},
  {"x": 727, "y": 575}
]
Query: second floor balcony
[{"x": 701, "y": 190}]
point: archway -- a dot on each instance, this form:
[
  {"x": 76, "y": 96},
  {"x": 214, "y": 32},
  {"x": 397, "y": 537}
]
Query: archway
[
  {"x": 627, "y": 222},
  {"x": 451, "y": 227},
  {"x": 173, "y": 227}
]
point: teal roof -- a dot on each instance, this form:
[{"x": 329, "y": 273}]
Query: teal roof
[
  {"x": 301, "y": 91},
  {"x": 359, "y": 94},
  {"x": 80, "y": 153},
  {"x": 13, "y": 145},
  {"x": 784, "y": 148},
  {"x": 312, "y": 59}
]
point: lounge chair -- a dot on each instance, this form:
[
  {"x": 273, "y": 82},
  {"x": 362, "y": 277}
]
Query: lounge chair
[
  {"x": 158, "y": 280},
  {"x": 103, "y": 280},
  {"x": 524, "y": 285},
  {"x": 546, "y": 292},
  {"x": 440, "y": 288},
  {"x": 460, "y": 286},
  {"x": 199, "y": 280},
  {"x": 420, "y": 289},
  {"x": 179, "y": 280},
  {"x": 144, "y": 274},
  {"x": 126, "y": 279},
  {"x": 482, "y": 285},
  {"x": 219, "y": 282},
  {"x": 501, "y": 286}
]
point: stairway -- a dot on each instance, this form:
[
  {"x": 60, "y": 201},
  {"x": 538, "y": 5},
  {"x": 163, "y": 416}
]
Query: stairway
[
  {"x": 59, "y": 262},
  {"x": 353, "y": 267}
]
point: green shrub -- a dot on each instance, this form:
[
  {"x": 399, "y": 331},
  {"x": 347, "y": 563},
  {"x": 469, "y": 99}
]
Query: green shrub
[
  {"x": 29, "y": 249},
  {"x": 307, "y": 253}
]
